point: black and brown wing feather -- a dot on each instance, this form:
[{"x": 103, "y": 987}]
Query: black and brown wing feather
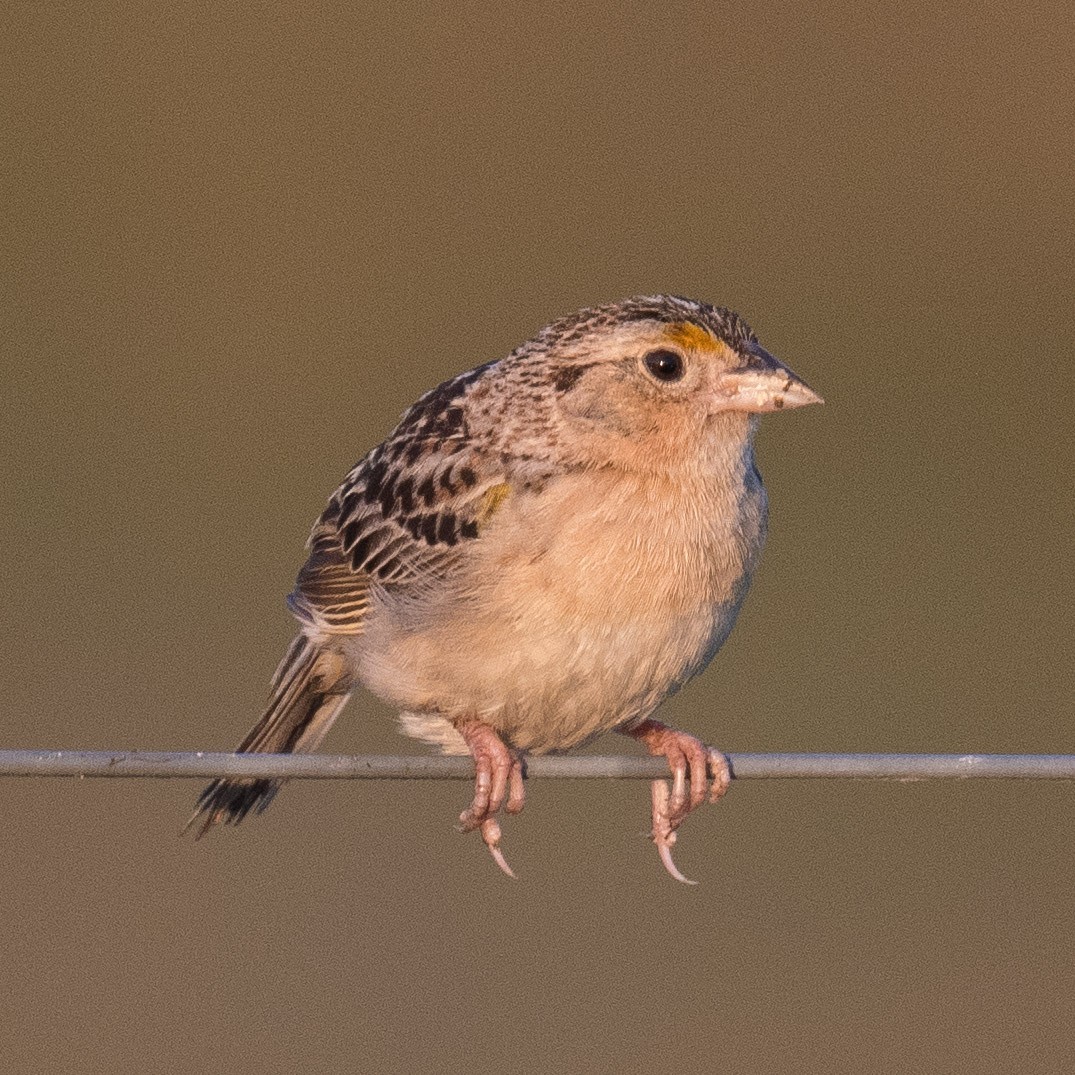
[
  {"x": 401, "y": 515},
  {"x": 399, "y": 518}
]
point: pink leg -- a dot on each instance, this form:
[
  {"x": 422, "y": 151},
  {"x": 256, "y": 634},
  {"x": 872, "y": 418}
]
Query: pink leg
[
  {"x": 498, "y": 774},
  {"x": 689, "y": 759}
]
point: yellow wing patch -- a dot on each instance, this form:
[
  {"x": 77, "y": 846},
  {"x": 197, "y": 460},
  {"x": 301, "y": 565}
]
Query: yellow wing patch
[
  {"x": 491, "y": 501},
  {"x": 692, "y": 337}
]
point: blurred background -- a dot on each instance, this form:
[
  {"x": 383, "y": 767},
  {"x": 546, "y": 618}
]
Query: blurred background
[{"x": 240, "y": 239}]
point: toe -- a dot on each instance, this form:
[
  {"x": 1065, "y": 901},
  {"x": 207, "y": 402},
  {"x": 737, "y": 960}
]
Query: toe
[
  {"x": 699, "y": 758},
  {"x": 678, "y": 804},
  {"x": 478, "y": 810},
  {"x": 721, "y": 771},
  {"x": 516, "y": 788},
  {"x": 664, "y": 834},
  {"x": 501, "y": 767}
]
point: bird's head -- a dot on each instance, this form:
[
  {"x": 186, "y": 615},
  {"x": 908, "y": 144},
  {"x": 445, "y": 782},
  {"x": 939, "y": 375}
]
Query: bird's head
[{"x": 663, "y": 374}]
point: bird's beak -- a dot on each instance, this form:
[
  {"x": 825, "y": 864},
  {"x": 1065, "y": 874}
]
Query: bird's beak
[{"x": 761, "y": 383}]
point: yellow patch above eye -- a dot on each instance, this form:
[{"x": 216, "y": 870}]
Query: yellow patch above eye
[
  {"x": 490, "y": 502},
  {"x": 691, "y": 336}
]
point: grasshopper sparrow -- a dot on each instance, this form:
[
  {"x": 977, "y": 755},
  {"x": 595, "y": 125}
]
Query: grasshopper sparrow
[{"x": 544, "y": 549}]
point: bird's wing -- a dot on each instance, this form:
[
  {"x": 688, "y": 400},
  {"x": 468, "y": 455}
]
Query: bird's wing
[{"x": 405, "y": 514}]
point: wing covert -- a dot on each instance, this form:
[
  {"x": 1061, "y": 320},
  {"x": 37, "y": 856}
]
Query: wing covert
[{"x": 405, "y": 513}]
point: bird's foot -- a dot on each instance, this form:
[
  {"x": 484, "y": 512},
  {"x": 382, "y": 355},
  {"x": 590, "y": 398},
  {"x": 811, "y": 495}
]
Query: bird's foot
[
  {"x": 692, "y": 764},
  {"x": 498, "y": 776}
]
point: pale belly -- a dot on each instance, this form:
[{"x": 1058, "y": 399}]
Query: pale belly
[
  {"x": 561, "y": 632},
  {"x": 544, "y": 685}
]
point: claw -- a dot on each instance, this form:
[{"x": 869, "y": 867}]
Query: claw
[
  {"x": 491, "y": 836},
  {"x": 665, "y": 851}
]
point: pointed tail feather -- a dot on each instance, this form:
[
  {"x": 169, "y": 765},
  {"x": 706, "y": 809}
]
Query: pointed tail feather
[{"x": 308, "y": 691}]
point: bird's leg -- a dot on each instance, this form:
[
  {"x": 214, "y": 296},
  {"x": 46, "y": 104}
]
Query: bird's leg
[
  {"x": 498, "y": 773},
  {"x": 689, "y": 759}
]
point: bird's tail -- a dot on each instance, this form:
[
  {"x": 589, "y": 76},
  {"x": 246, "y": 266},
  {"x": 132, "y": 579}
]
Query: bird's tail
[{"x": 308, "y": 691}]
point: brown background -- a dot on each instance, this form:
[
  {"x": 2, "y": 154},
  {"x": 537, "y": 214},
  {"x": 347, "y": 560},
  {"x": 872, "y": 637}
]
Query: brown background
[{"x": 238, "y": 244}]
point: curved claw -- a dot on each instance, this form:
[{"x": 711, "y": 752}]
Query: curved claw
[
  {"x": 491, "y": 837},
  {"x": 665, "y": 851}
]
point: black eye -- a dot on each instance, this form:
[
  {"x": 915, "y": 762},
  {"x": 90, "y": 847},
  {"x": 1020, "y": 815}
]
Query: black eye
[{"x": 665, "y": 365}]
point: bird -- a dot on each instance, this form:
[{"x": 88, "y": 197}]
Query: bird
[{"x": 544, "y": 549}]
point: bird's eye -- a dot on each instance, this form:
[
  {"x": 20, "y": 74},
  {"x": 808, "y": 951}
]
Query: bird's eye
[{"x": 666, "y": 366}]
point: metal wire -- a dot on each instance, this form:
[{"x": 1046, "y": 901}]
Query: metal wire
[{"x": 116, "y": 763}]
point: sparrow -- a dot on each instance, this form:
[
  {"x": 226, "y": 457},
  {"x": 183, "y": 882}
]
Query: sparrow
[{"x": 544, "y": 549}]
